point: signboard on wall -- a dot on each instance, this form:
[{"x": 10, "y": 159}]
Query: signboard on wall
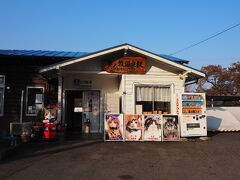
[
  {"x": 127, "y": 65},
  {"x": 83, "y": 84}
]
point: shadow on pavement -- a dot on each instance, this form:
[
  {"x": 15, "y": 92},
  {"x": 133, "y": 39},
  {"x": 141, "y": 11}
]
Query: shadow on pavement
[
  {"x": 212, "y": 134},
  {"x": 34, "y": 149}
]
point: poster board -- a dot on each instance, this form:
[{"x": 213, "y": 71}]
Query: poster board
[
  {"x": 152, "y": 127},
  {"x": 133, "y": 127},
  {"x": 171, "y": 128},
  {"x": 113, "y": 125}
]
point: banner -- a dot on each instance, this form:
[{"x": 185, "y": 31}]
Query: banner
[
  {"x": 113, "y": 127},
  {"x": 133, "y": 127},
  {"x": 170, "y": 128},
  {"x": 152, "y": 127}
]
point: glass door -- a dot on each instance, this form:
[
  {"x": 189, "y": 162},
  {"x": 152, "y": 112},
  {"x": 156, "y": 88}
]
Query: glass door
[
  {"x": 91, "y": 109},
  {"x": 74, "y": 111}
]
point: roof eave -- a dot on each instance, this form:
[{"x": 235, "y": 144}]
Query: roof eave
[{"x": 120, "y": 47}]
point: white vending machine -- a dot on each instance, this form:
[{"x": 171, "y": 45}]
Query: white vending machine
[{"x": 192, "y": 111}]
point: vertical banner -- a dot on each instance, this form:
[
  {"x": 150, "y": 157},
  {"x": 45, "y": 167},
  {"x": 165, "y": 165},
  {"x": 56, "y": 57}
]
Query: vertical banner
[
  {"x": 177, "y": 104},
  {"x": 170, "y": 128},
  {"x": 113, "y": 127},
  {"x": 152, "y": 127},
  {"x": 133, "y": 127}
]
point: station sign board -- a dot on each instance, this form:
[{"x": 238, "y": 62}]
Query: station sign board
[{"x": 127, "y": 65}]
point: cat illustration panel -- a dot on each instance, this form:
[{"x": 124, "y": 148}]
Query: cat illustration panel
[
  {"x": 152, "y": 127},
  {"x": 133, "y": 127},
  {"x": 170, "y": 128},
  {"x": 113, "y": 127}
]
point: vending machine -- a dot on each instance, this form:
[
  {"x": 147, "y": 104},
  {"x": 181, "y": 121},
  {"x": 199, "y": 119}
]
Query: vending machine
[{"x": 193, "y": 121}]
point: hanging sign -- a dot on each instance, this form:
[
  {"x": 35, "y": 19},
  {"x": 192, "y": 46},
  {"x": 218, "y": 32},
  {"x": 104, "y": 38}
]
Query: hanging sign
[{"x": 127, "y": 65}]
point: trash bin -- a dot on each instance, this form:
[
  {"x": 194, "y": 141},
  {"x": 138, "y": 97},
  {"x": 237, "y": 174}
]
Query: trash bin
[{"x": 50, "y": 131}]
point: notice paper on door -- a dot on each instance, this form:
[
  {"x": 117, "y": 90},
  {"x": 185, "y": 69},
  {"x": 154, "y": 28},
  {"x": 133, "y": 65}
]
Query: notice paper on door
[{"x": 78, "y": 109}]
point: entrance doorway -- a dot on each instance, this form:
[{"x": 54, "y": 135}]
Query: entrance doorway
[{"x": 81, "y": 107}]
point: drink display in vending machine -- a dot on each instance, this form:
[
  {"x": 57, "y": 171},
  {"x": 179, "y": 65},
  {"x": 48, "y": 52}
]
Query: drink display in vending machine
[{"x": 193, "y": 121}]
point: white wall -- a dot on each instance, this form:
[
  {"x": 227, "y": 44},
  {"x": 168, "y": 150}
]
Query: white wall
[
  {"x": 223, "y": 119},
  {"x": 109, "y": 83},
  {"x": 131, "y": 80},
  {"x": 157, "y": 73}
]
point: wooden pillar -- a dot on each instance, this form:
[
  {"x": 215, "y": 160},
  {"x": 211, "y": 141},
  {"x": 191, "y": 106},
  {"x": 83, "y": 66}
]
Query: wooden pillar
[{"x": 60, "y": 83}]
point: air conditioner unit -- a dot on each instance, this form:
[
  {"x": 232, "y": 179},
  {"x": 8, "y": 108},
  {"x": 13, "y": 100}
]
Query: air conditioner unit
[
  {"x": 15, "y": 128},
  {"x": 26, "y": 127}
]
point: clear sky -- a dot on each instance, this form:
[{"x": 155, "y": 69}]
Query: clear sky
[{"x": 155, "y": 25}]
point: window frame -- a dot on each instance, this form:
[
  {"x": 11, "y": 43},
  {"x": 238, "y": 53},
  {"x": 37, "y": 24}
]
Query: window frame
[
  {"x": 26, "y": 106},
  {"x": 170, "y": 86},
  {"x": 3, "y": 97}
]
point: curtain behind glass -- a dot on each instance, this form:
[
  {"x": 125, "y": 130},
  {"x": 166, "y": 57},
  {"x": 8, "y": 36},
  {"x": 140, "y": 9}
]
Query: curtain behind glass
[
  {"x": 148, "y": 93},
  {"x": 144, "y": 93},
  {"x": 162, "y": 94}
]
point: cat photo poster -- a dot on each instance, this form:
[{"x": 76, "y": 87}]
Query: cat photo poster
[
  {"x": 170, "y": 128},
  {"x": 133, "y": 127},
  {"x": 114, "y": 127},
  {"x": 152, "y": 127}
]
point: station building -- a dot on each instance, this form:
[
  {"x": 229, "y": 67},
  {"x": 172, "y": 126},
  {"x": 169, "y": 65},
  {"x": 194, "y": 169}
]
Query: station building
[{"x": 84, "y": 86}]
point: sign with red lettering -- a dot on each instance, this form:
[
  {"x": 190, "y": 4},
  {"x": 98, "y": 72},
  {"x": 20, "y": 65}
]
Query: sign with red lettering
[{"x": 127, "y": 65}]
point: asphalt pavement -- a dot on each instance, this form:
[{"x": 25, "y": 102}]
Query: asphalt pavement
[{"x": 216, "y": 158}]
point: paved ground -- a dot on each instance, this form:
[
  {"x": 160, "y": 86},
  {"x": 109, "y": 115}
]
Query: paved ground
[{"x": 217, "y": 158}]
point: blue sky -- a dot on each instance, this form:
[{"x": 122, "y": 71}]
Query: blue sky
[{"x": 159, "y": 26}]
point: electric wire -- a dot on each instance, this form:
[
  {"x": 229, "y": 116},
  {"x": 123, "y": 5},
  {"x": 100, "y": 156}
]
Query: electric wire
[{"x": 195, "y": 44}]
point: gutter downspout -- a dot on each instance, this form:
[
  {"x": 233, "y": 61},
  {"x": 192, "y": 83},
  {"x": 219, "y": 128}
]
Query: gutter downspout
[{"x": 21, "y": 111}]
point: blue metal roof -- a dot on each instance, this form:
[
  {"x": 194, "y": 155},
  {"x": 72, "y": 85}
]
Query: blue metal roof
[
  {"x": 174, "y": 59},
  {"x": 40, "y": 53},
  {"x": 68, "y": 54}
]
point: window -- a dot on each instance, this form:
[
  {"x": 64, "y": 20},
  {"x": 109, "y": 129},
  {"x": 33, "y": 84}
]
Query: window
[
  {"x": 153, "y": 99},
  {"x": 34, "y": 101},
  {"x": 2, "y": 88}
]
